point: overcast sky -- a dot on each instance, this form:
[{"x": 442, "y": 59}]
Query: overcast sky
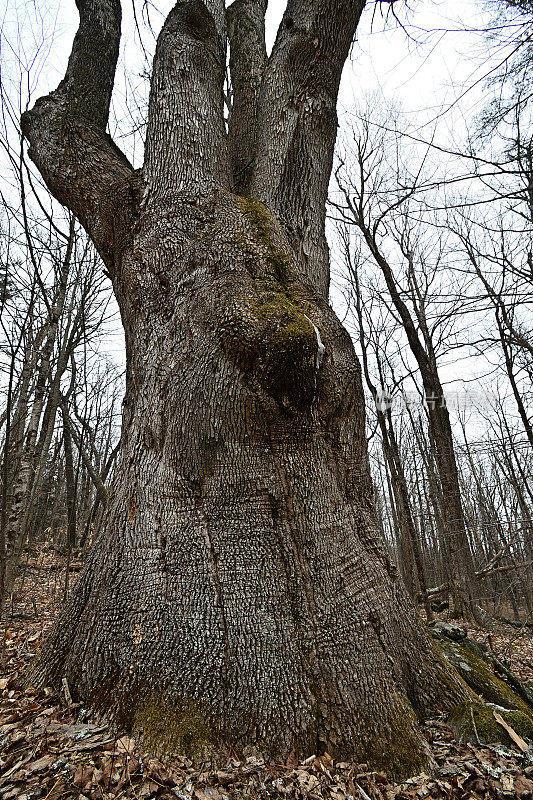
[{"x": 425, "y": 75}]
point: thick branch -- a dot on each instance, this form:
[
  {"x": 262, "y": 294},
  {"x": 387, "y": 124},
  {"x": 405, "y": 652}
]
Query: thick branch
[
  {"x": 186, "y": 147},
  {"x": 298, "y": 122},
  {"x": 90, "y": 74},
  {"x": 248, "y": 56},
  {"x": 217, "y": 9},
  {"x": 66, "y": 129}
]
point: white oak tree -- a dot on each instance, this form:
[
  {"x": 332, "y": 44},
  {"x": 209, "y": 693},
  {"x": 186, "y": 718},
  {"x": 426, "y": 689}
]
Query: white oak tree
[{"x": 238, "y": 591}]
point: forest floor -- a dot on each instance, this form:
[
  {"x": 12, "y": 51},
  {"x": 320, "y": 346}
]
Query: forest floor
[{"x": 51, "y": 749}]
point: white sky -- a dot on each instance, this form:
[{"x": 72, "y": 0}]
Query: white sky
[{"x": 424, "y": 76}]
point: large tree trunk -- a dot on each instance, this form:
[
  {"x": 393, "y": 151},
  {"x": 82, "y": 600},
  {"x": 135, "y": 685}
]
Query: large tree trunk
[
  {"x": 239, "y": 567},
  {"x": 238, "y": 592}
]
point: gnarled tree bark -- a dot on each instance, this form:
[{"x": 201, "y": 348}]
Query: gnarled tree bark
[{"x": 238, "y": 589}]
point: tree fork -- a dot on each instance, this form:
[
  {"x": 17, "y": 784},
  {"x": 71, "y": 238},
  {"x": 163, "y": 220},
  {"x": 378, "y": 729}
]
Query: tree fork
[{"x": 238, "y": 591}]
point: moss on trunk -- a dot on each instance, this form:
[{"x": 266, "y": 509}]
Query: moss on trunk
[{"x": 167, "y": 725}]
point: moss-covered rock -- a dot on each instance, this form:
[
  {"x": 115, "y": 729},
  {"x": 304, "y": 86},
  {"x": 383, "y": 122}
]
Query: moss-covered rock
[
  {"x": 475, "y": 722},
  {"x": 475, "y": 666}
]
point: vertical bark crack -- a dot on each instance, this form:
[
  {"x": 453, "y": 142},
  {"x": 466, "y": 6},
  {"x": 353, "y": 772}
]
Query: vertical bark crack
[
  {"x": 217, "y": 584},
  {"x": 304, "y": 573}
]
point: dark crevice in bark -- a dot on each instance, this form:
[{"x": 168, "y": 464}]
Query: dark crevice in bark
[{"x": 219, "y": 591}]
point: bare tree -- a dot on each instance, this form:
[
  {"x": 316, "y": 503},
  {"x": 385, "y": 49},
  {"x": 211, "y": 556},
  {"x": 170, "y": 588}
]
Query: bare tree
[
  {"x": 385, "y": 220},
  {"x": 239, "y": 588},
  {"x": 53, "y": 303},
  {"x": 411, "y": 562}
]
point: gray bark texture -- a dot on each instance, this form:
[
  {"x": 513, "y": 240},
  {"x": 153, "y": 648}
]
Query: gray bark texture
[{"x": 238, "y": 592}]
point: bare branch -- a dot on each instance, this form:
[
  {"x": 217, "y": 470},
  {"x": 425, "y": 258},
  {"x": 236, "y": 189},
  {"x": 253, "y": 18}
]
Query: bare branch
[
  {"x": 66, "y": 130},
  {"x": 298, "y": 122},
  {"x": 248, "y": 57}
]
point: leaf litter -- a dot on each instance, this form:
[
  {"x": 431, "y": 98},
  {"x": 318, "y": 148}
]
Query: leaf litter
[{"x": 50, "y": 748}]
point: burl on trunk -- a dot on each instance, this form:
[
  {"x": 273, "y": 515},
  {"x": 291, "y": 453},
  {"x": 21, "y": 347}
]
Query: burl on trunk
[{"x": 238, "y": 592}]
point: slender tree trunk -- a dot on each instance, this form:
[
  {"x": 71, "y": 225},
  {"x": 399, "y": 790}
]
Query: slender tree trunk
[
  {"x": 411, "y": 551},
  {"x": 70, "y": 485},
  {"x": 462, "y": 562},
  {"x": 509, "y": 366},
  {"x": 406, "y": 516},
  {"x": 5, "y": 478},
  {"x": 441, "y": 436},
  {"x": 33, "y": 448}
]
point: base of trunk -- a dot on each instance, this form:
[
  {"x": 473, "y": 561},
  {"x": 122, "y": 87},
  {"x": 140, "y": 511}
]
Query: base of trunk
[{"x": 212, "y": 683}]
